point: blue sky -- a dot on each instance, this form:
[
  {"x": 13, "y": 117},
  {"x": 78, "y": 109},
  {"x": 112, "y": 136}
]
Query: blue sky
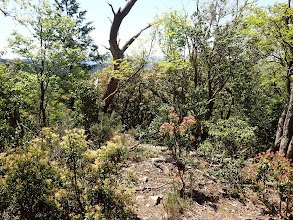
[{"x": 99, "y": 12}]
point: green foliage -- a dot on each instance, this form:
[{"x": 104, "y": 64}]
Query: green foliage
[
  {"x": 109, "y": 157},
  {"x": 204, "y": 54},
  {"x": 232, "y": 135},
  {"x": 271, "y": 25},
  {"x": 135, "y": 104},
  {"x": 86, "y": 104},
  {"x": 151, "y": 133},
  {"x": 175, "y": 205},
  {"x": 232, "y": 175},
  {"x": 104, "y": 129},
  {"x": 78, "y": 183},
  {"x": 46, "y": 54},
  {"x": 29, "y": 182},
  {"x": 16, "y": 104},
  {"x": 272, "y": 172},
  {"x": 210, "y": 151},
  {"x": 80, "y": 36},
  {"x": 223, "y": 73}
]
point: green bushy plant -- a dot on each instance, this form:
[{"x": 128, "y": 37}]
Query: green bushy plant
[
  {"x": 175, "y": 205},
  {"x": 28, "y": 183},
  {"x": 64, "y": 179},
  {"x": 102, "y": 131},
  {"x": 209, "y": 151},
  {"x": 85, "y": 103},
  {"x": 150, "y": 134},
  {"x": 234, "y": 136},
  {"x": 232, "y": 175},
  {"x": 17, "y": 95}
]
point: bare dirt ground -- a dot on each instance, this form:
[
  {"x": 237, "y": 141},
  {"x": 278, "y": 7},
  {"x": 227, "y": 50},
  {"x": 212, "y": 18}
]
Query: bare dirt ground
[{"x": 209, "y": 200}]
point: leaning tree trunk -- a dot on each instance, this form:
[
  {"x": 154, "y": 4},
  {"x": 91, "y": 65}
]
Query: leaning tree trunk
[
  {"x": 286, "y": 141},
  {"x": 279, "y": 132},
  {"x": 116, "y": 51},
  {"x": 284, "y": 135}
]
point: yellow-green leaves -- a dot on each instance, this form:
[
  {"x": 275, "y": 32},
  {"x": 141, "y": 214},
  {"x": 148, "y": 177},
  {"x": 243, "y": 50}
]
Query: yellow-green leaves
[{"x": 81, "y": 183}]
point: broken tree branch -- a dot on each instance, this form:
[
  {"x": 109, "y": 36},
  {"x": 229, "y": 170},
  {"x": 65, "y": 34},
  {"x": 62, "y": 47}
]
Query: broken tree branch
[
  {"x": 128, "y": 43},
  {"x": 112, "y": 8}
]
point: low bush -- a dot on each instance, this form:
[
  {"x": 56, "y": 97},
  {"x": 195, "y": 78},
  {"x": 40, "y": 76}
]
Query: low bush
[
  {"x": 79, "y": 183},
  {"x": 272, "y": 174},
  {"x": 179, "y": 136},
  {"x": 234, "y": 136}
]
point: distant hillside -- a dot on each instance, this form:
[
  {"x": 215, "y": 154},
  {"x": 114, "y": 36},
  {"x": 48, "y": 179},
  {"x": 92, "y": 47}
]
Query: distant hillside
[
  {"x": 3, "y": 60},
  {"x": 95, "y": 67}
]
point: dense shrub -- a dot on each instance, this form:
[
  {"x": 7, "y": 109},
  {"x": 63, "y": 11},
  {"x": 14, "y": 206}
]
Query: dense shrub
[
  {"x": 85, "y": 103},
  {"x": 234, "y": 136},
  {"x": 29, "y": 182},
  {"x": 179, "y": 136},
  {"x": 104, "y": 129},
  {"x": 80, "y": 183}
]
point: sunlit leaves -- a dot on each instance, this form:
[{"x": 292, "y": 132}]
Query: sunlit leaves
[
  {"x": 79, "y": 183},
  {"x": 273, "y": 27}
]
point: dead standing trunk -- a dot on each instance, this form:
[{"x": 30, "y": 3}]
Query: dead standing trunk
[{"x": 116, "y": 51}]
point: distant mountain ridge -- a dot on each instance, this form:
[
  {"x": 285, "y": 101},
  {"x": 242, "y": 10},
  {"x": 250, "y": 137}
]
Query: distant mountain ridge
[{"x": 95, "y": 67}]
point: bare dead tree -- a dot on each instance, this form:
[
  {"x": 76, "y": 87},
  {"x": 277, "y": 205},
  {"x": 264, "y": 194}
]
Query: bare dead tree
[{"x": 116, "y": 51}]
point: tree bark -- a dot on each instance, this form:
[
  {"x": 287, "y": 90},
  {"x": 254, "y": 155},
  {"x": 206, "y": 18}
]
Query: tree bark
[
  {"x": 284, "y": 134},
  {"x": 279, "y": 133},
  {"x": 42, "y": 105},
  {"x": 287, "y": 129},
  {"x": 116, "y": 51}
]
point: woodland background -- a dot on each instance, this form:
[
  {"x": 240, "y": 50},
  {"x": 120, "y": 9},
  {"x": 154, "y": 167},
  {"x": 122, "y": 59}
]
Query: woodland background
[{"x": 222, "y": 94}]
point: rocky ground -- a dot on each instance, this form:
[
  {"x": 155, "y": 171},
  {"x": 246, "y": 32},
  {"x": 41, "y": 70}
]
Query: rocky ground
[{"x": 157, "y": 176}]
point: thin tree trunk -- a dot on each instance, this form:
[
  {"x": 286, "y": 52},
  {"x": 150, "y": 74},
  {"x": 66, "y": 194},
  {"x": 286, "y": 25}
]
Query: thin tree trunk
[
  {"x": 211, "y": 101},
  {"x": 210, "y": 107},
  {"x": 42, "y": 105}
]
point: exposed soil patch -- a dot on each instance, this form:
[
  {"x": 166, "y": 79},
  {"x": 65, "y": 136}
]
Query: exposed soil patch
[{"x": 206, "y": 200}]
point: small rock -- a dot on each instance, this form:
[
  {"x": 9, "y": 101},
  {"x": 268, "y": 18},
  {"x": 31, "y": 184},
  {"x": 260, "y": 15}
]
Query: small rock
[
  {"x": 139, "y": 198},
  {"x": 156, "y": 199},
  {"x": 144, "y": 179},
  {"x": 209, "y": 182}
]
